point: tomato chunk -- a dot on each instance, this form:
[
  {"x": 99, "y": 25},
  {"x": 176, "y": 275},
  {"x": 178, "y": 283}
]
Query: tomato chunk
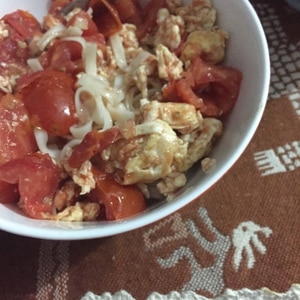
[
  {"x": 149, "y": 17},
  {"x": 106, "y": 17},
  {"x": 8, "y": 192},
  {"x": 120, "y": 201},
  {"x": 63, "y": 56},
  {"x": 16, "y": 133},
  {"x": 212, "y": 89},
  {"x": 24, "y": 23},
  {"x": 129, "y": 11},
  {"x": 83, "y": 20},
  {"x": 49, "y": 97},
  {"x": 93, "y": 142},
  {"x": 37, "y": 178}
]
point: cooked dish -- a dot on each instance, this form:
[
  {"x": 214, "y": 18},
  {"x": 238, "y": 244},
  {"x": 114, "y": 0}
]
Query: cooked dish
[{"x": 105, "y": 105}]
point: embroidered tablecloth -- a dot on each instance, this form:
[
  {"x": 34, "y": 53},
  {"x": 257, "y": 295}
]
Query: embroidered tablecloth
[{"x": 240, "y": 240}]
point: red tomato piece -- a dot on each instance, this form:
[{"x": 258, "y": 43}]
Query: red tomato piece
[
  {"x": 120, "y": 201},
  {"x": 16, "y": 133},
  {"x": 93, "y": 142},
  {"x": 24, "y": 23},
  {"x": 37, "y": 178},
  {"x": 10, "y": 52},
  {"x": 129, "y": 11},
  {"x": 106, "y": 17},
  {"x": 83, "y": 20},
  {"x": 49, "y": 97},
  {"x": 8, "y": 192},
  {"x": 16, "y": 139},
  {"x": 184, "y": 90},
  {"x": 13, "y": 58},
  {"x": 212, "y": 89},
  {"x": 64, "y": 56},
  {"x": 14, "y": 52},
  {"x": 2, "y": 94},
  {"x": 223, "y": 86},
  {"x": 149, "y": 17}
]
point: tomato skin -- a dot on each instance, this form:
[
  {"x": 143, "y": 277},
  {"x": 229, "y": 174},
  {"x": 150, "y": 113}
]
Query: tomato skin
[
  {"x": 64, "y": 56},
  {"x": 24, "y": 23},
  {"x": 224, "y": 86},
  {"x": 8, "y": 192},
  {"x": 16, "y": 139},
  {"x": 84, "y": 18},
  {"x": 106, "y": 17},
  {"x": 129, "y": 11},
  {"x": 120, "y": 201},
  {"x": 93, "y": 142},
  {"x": 49, "y": 97},
  {"x": 149, "y": 17},
  {"x": 210, "y": 88},
  {"x": 37, "y": 178},
  {"x": 16, "y": 133}
]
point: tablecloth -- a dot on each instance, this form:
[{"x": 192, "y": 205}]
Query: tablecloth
[{"x": 239, "y": 240}]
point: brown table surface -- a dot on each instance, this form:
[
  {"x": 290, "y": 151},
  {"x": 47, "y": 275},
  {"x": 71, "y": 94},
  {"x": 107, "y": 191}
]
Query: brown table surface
[{"x": 240, "y": 240}]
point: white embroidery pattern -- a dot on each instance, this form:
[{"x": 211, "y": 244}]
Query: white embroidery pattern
[
  {"x": 263, "y": 294},
  {"x": 53, "y": 266},
  {"x": 245, "y": 235},
  {"x": 178, "y": 231},
  {"x": 209, "y": 279},
  {"x": 284, "y": 56},
  {"x": 294, "y": 97},
  {"x": 282, "y": 159}
]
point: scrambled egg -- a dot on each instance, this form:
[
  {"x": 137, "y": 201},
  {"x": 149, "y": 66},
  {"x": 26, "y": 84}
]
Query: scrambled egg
[
  {"x": 164, "y": 139},
  {"x": 161, "y": 140}
]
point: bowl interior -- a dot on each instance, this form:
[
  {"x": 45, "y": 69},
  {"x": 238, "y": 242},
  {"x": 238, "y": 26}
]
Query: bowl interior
[{"x": 247, "y": 51}]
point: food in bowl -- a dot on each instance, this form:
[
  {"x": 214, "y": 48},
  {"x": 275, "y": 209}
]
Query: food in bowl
[{"x": 101, "y": 105}]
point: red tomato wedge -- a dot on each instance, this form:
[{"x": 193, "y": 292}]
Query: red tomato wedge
[
  {"x": 63, "y": 56},
  {"x": 106, "y": 17},
  {"x": 129, "y": 11},
  {"x": 8, "y": 192},
  {"x": 83, "y": 20},
  {"x": 93, "y": 142},
  {"x": 14, "y": 51},
  {"x": 24, "y": 23},
  {"x": 10, "y": 52},
  {"x": 16, "y": 139},
  {"x": 37, "y": 178},
  {"x": 16, "y": 133},
  {"x": 212, "y": 89},
  {"x": 49, "y": 97},
  {"x": 120, "y": 201},
  {"x": 149, "y": 17}
]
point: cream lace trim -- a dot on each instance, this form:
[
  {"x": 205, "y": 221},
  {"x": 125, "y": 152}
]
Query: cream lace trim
[{"x": 246, "y": 294}]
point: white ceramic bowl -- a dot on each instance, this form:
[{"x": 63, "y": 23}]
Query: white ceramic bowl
[{"x": 247, "y": 51}]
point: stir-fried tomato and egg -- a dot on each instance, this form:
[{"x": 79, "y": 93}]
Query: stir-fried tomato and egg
[{"x": 101, "y": 102}]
